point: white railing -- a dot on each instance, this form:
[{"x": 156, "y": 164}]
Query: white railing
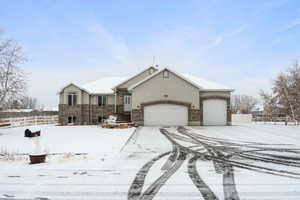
[{"x": 28, "y": 121}]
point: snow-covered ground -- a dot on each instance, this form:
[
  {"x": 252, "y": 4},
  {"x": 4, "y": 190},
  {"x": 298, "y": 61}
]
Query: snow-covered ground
[{"x": 108, "y": 170}]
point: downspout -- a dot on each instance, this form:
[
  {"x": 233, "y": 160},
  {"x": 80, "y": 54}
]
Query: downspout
[
  {"x": 115, "y": 101},
  {"x": 90, "y": 96}
]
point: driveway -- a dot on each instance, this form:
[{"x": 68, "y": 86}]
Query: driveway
[{"x": 274, "y": 161}]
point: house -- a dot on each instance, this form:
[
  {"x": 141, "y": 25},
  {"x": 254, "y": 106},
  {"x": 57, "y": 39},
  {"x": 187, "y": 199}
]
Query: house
[{"x": 151, "y": 97}]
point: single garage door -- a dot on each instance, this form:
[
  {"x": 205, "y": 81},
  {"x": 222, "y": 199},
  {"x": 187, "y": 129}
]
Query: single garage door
[
  {"x": 165, "y": 115},
  {"x": 214, "y": 112}
]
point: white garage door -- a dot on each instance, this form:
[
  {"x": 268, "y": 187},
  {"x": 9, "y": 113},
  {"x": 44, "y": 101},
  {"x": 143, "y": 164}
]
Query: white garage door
[
  {"x": 165, "y": 115},
  {"x": 214, "y": 112}
]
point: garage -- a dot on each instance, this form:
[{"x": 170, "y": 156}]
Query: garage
[
  {"x": 165, "y": 115},
  {"x": 214, "y": 112}
]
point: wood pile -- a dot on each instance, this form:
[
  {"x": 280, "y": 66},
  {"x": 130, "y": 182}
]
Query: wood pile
[{"x": 118, "y": 125}]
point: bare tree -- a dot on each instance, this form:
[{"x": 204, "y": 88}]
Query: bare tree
[
  {"x": 28, "y": 102},
  {"x": 12, "y": 78},
  {"x": 243, "y": 104},
  {"x": 285, "y": 95},
  {"x": 270, "y": 103}
]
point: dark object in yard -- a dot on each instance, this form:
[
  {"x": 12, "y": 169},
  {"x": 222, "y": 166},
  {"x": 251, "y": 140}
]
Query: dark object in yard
[
  {"x": 37, "y": 158},
  {"x": 28, "y": 133}
]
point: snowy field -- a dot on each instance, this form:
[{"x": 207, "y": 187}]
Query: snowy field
[{"x": 106, "y": 170}]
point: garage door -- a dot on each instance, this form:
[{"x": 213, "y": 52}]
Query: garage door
[
  {"x": 165, "y": 115},
  {"x": 214, "y": 112}
]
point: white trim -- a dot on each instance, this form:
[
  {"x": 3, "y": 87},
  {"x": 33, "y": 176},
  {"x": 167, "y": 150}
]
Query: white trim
[{"x": 69, "y": 84}]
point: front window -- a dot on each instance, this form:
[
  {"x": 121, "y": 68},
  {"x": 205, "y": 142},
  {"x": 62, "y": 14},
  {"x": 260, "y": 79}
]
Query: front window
[
  {"x": 72, "y": 99},
  {"x": 102, "y": 100}
]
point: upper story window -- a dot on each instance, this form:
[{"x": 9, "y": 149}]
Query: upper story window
[
  {"x": 102, "y": 100},
  {"x": 166, "y": 74},
  {"x": 72, "y": 99}
]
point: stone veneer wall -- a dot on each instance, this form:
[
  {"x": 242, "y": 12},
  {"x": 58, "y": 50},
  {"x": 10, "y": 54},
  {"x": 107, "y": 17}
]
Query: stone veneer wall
[
  {"x": 101, "y": 111},
  {"x": 85, "y": 114}
]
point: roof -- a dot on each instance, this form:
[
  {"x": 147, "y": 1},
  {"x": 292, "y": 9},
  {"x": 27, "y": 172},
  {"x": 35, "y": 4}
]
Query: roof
[
  {"x": 108, "y": 84},
  {"x": 206, "y": 85},
  {"x": 200, "y": 83},
  {"x": 103, "y": 85},
  {"x": 100, "y": 86},
  {"x": 128, "y": 79}
]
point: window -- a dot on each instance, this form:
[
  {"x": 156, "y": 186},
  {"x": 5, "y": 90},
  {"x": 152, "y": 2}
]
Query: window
[
  {"x": 74, "y": 119},
  {"x": 102, "y": 100},
  {"x": 69, "y": 119},
  {"x": 72, "y": 99},
  {"x": 127, "y": 99},
  {"x": 101, "y": 119},
  {"x": 166, "y": 74}
]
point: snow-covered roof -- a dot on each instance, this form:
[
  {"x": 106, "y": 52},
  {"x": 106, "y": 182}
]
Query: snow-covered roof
[
  {"x": 204, "y": 84},
  {"x": 107, "y": 84},
  {"x": 103, "y": 85},
  {"x": 198, "y": 82},
  {"x": 131, "y": 77}
]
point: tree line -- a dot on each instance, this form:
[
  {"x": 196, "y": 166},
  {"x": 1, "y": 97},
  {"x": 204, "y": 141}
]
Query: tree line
[
  {"x": 282, "y": 100},
  {"x": 284, "y": 97}
]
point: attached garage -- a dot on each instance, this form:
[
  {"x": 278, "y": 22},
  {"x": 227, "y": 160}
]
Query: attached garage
[
  {"x": 214, "y": 112},
  {"x": 165, "y": 115}
]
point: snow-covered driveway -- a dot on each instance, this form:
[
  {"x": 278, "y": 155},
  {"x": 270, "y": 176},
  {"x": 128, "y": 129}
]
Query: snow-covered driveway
[{"x": 107, "y": 173}]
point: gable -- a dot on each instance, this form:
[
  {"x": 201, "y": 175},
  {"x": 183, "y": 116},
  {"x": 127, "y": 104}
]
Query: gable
[
  {"x": 137, "y": 78},
  {"x": 70, "y": 86},
  {"x": 158, "y": 88},
  {"x": 161, "y": 74}
]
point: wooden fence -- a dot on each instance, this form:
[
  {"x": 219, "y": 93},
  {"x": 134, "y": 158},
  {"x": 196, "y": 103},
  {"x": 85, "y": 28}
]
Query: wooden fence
[
  {"x": 28, "y": 121},
  {"x": 275, "y": 120}
]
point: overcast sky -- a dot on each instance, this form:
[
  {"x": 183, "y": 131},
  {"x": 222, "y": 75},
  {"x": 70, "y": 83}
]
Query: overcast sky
[{"x": 242, "y": 44}]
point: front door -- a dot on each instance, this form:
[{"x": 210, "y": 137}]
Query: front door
[{"x": 127, "y": 103}]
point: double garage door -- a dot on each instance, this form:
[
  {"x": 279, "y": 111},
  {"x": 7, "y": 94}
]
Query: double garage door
[{"x": 214, "y": 113}]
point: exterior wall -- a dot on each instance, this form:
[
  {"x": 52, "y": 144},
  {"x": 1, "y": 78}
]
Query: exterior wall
[
  {"x": 85, "y": 98},
  {"x": 72, "y": 89},
  {"x": 101, "y": 111},
  {"x": 61, "y": 98},
  {"x": 138, "y": 78},
  {"x": 65, "y": 111},
  {"x": 110, "y": 99},
  {"x": 156, "y": 89},
  {"x": 84, "y": 112},
  {"x": 120, "y": 99},
  {"x": 219, "y": 94},
  {"x": 172, "y": 90}
]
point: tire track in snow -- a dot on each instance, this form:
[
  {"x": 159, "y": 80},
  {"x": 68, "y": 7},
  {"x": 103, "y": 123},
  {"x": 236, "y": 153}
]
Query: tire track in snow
[
  {"x": 204, "y": 189},
  {"x": 154, "y": 188},
  {"x": 137, "y": 185}
]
